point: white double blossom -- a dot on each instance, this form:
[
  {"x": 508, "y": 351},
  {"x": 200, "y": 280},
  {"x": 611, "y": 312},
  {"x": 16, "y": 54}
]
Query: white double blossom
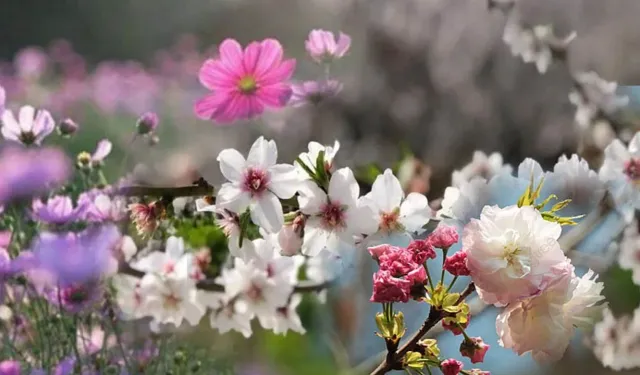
[
  {"x": 616, "y": 341},
  {"x": 256, "y": 183}
]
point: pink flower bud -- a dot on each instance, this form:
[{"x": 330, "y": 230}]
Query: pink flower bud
[
  {"x": 457, "y": 264},
  {"x": 475, "y": 349},
  {"x": 67, "y": 127},
  {"x": 421, "y": 251},
  {"x": 147, "y": 123},
  {"x": 444, "y": 237},
  {"x": 451, "y": 367},
  {"x": 290, "y": 240}
]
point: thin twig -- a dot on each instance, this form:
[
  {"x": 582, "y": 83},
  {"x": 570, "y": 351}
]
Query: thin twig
[
  {"x": 434, "y": 317},
  {"x": 180, "y": 191},
  {"x": 209, "y": 285}
]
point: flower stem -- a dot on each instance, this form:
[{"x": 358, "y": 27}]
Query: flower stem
[{"x": 455, "y": 278}]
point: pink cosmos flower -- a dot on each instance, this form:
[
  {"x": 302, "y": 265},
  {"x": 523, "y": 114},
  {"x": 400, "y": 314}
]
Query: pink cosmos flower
[
  {"x": 322, "y": 45},
  {"x": 244, "y": 82},
  {"x": 475, "y": 349},
  {"x": 387, "y": 288}
]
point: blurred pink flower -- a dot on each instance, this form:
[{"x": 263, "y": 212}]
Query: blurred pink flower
[
  {"x": 244, "y": 82},
  {"x": 31, "y": 62},
  {"x": 322, "y": 45},
  {"x": 313, "y": 92}
]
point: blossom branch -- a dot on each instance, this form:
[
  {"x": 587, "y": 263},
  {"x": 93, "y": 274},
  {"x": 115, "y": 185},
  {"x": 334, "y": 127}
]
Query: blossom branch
[
  {"x": 393, "y": 360},
  {"x": 208, "y": 285},
  {"x": 180, "y": 191}
]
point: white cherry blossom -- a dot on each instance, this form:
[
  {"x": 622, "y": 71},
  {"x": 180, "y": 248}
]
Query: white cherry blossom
[
  {"x": 310, "y": 157},
  {"x": 229, "y": 222},
  {"x": 629, "y": 256},
  {"x": 255, "y": 291},
  {"x": 621, "y": 173},
  {"x": 286, "y": 318},
  {"x": 592, "y": 96},
  {"x": 226, "y": 317},
  {"x": 256, "y": 183},
  {"x": 326, "y": 266},
  {"x": 481, "y": 166},
  {"x": 334, "y": 218},
  {"x": 171, "y": 300},
  {"x": 128, "y": 297},
  {"x": 397, "y": 214},
  {"x": 174, "y": 260}
]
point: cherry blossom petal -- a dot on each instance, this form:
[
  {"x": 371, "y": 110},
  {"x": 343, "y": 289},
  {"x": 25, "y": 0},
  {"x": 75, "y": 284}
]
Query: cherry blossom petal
[
  {"x": 415, "y": 212},
  {"x": 263, "y": 153},
  {"x": 284, "y": 180},
  {"x": 267, "y": 213},
  {"x": 315, "y": 238},
  {"x": 231, "y": 164},
  {"x": 311, "y": 198},
  {"x": 233, "y": 198},
  {"x": 343, "y": 187},
  {"x": 387, "y": 192}
]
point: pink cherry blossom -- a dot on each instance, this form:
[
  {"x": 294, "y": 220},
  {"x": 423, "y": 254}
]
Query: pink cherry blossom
[
  {"x": 457, "y": 264},
  {"x": 421, "y": 251},
  {"x": 444, "y": 237},
  {"x": 387, "y": 288},
  {"x": 244, "y": 82}
]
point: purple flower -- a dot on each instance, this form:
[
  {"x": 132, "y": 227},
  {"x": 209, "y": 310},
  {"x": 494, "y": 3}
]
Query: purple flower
[
  {"x": 9, "y": 367},
  {"x": 65, "y": 367},
  {"x": 3, "y": 99},
  {"x": 31, "y": 127},
  {"x": 25, "y": 173},
  {"x": 76, "y": 298},
  {"x": 313, "y": 92},
  {"x": 58, "y": 210},
  {"x": 100, "y": 206},
  {"x": 76, "y": 257}
]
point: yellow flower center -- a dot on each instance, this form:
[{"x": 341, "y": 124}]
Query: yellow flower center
[
  {"x": 247, "y": 85},
  {"x": 517, "y": 265}
]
